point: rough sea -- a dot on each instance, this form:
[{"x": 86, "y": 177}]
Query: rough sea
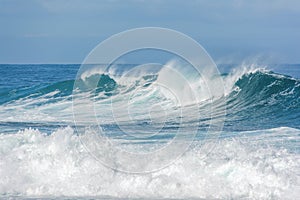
[{"x": 241, "y": 144}]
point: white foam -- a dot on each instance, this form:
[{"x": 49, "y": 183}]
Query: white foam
[{"x": 34, "y": 164}]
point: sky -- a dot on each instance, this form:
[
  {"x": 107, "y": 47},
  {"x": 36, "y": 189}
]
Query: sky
[{"x": 65, "y": 31}]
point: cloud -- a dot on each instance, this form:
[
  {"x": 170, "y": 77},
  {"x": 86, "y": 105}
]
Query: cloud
[
  {"x": 38, "y": 35},
  {"x": 274, "y": 5},
  {"x": 57, "y": 6}
]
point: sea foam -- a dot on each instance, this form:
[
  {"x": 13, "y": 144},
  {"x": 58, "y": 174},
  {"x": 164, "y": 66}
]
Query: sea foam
[{"x": 252, "y": 165}]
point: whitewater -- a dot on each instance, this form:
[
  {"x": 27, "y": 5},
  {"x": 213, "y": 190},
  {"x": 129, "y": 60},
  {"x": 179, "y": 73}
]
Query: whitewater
[{"x": 43, "y": 153}]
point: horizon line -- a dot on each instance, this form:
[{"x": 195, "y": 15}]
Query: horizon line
[{"x": 132, "y": 63}]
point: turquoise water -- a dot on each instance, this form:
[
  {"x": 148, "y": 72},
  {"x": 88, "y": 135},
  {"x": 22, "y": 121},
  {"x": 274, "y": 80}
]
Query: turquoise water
[{"x": 255, "y": 156}]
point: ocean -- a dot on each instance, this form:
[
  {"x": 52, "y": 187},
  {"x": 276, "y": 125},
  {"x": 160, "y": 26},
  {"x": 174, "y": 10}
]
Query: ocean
[{"x": 242, "y": 144}]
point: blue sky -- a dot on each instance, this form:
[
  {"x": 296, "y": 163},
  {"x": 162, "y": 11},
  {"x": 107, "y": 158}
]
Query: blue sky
[{"x": 64, "y": 31}]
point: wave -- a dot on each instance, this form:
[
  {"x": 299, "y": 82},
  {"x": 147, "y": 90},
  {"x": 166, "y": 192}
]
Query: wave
[
  {"x": 265, "y": 97},
  {"x": 257, "y": 82},
  {"x": 251, "y": 95}
]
